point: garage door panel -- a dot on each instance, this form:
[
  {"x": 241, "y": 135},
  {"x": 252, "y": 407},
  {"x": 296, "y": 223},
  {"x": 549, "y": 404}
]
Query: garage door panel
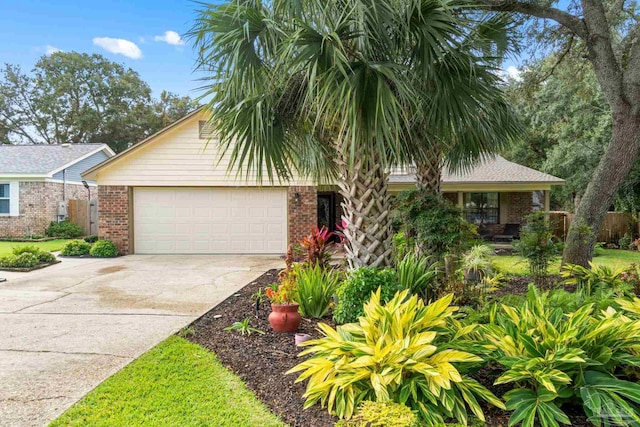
[{"x": 210, "y": 220}]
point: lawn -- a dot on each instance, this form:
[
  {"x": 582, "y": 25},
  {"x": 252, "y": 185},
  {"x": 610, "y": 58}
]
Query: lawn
[
  {"x": 176, "y": 383},
  {"x": 612, "y": 258},
  {"x": 49, "y": 246}
]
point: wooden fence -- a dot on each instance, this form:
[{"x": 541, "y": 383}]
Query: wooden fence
[
  {"x": 615, "y": 225},
  {"x": 85, "y": 214}
]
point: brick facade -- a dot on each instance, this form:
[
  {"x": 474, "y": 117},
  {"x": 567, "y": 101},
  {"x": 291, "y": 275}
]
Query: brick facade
[
  {"x": 520, "y": 205},
  {"x": 303, "y": 211},
  {"x": 38, "y": 204},
  {"x": 114, "y": 215}
]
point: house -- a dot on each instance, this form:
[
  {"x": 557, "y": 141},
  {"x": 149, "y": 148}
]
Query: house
[
  {"x": 169, "y": 194},
  {"x": 36, "y": 179}
]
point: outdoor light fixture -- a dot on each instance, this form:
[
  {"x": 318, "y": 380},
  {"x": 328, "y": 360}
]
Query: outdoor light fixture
[{"x": 297, "y": 197}]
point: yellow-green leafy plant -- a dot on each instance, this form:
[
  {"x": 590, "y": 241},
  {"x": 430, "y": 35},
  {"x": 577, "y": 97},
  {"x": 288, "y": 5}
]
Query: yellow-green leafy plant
[
  {"x": 555, "y": 357},
  {"x": 419, "y": 275},
  {"x": 596, "y": 280},
  {"x": 401, "y": 351},
  {"x": 382, "y": 414}
]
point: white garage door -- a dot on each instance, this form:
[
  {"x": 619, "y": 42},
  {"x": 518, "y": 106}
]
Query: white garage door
[{"x": 169, "y": 220}]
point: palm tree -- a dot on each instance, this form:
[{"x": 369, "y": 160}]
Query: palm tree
[{"x": 326, "y": 89}]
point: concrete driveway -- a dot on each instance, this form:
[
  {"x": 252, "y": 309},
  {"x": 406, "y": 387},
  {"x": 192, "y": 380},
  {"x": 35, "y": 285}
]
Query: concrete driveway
[{"x": 66, "y": 328}]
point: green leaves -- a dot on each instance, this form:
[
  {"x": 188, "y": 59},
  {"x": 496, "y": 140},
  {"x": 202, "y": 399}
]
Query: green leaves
[
  {"x": 316, "y": 287},
  {"x": 399, "y": 351},
  {"x": 527, "y": 406}
]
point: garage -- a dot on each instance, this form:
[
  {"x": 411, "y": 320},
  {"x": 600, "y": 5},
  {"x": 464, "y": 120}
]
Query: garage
[{"x": 209, "y": 220}]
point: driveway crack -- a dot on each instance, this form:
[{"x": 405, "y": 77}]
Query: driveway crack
[{"x": 41, "y": 303}]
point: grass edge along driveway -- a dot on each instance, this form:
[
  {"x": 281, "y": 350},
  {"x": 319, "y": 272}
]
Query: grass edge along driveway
[
  {"x": 175, "y": 383},
  {"x": 6, "y": 248}
]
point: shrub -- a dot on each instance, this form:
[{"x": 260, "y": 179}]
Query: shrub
[
  {"x": 23, "y": 260},
  {"x": 537, "y": 246},
  {"x": 44, "y": 257},
  {"x": 318, "y": 247},
  {"x": 398, "y": 352},
  {"x": 91, "y": 239},
  {"x": 381, "y": 414},
  {"x": 626, "y": 241},
  {"x": 417, "y": 275},
  {"x": 435, "y": 225},
  {"x": 557, "y": 357},
  {"x": 76, "y": 248},
  {"x": 316, "y": 287},
  {"x": 357, "y": 288},
  {"x": 476, "y": 263},
  {"x": 104, "y": 249},
  {"x": 598, "y": 280},
  {"x": 64, "y": 229}
]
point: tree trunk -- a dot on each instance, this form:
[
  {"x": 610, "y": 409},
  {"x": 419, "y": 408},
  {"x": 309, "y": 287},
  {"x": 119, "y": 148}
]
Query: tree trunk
[
  {"x": 366, "y": 208},
  {"x": 429, "y": 171},
  {"x": 616, "y": 163}
]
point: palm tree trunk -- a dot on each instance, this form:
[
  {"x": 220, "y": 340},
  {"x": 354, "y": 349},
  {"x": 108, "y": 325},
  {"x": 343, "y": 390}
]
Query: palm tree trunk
[
  {"x": 366, "y": 208},
  {"x": 429, "y": 171}
]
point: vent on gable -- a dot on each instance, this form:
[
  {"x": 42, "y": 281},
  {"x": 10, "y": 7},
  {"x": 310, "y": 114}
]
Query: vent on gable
[{"x": 205, "y": 129}]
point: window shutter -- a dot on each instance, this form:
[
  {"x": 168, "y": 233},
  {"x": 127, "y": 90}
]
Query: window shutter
[
  {"x": 205, "y": 129},
  {"x": 14, "y": 200}
]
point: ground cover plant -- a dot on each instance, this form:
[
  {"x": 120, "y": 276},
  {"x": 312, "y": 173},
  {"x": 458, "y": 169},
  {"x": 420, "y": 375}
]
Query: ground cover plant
[{"x": 176, "y": 383}]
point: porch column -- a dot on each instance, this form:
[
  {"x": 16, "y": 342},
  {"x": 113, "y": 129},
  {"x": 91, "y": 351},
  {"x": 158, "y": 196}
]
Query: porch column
[
  {"x": 547, "y": 204},
  {"x": 460, "y": 200}
]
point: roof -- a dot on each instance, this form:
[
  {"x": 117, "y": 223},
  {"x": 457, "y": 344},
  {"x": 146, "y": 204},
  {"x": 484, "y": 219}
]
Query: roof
[
  {"x": 492, "y": 170},
  {"x": 90, "y": 174},
  {"x": 44, "y": 160}
]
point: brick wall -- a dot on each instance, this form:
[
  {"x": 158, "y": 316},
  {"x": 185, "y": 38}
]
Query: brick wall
[
  {"x": 38, "y": 207},
  {"x": 113, "y": 215},
  {"x": 303, "y": 211},
  {"x": 520, "y": 205}
]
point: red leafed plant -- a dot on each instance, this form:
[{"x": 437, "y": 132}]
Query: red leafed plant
[{"x": 318, "y": 247}]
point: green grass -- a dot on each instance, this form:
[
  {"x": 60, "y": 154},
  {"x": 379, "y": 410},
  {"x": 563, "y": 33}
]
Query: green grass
[
  {"x": 49, "y": 246},
  {"x": 613, "y": 258},
  {"x": 177, "y": 383}
]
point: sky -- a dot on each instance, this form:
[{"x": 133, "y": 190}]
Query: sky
[
  {"x": 141, "y": 34},
  {"x": 144, "y": 35}
]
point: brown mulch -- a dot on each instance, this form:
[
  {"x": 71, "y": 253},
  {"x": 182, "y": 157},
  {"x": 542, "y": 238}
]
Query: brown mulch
[{"x": 261, "y": 360}]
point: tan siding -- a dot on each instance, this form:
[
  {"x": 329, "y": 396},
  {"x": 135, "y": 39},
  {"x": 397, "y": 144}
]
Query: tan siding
[{"x": 178, "y": 157}]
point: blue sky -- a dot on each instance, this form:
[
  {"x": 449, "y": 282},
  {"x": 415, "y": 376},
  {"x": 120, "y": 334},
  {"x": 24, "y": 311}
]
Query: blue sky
[
  {"x": 137, "y": 29},
  {"x": 29, "y": 28}
]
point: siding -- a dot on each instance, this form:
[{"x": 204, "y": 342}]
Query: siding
[
  {"x": 178, "y": 158},
  {"x": 74, "y": 171}
]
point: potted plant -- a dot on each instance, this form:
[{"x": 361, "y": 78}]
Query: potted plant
[{"x": 284, "y": 316}]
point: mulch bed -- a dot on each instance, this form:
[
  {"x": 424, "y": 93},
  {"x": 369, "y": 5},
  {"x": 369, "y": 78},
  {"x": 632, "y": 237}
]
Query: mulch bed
[{"x": 261, "y": 360}]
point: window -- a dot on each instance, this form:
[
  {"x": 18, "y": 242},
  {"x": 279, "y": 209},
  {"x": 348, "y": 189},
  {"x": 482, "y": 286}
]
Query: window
[
  {"x": 482, "y": 208},
  {"x": 205, "y": 129},
  {"x": 5, "y": 202}
]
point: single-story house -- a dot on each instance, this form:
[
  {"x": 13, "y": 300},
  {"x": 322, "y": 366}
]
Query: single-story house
[
  {"x": 36, "y": 179},
  {"x": 169, "y": 194}
]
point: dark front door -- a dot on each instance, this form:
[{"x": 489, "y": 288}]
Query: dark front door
[{"x": 327, "y": 211}]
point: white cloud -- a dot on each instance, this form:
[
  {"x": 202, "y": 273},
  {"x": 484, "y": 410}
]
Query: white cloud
[
  {"x": 48, "y": 49},
  {"x": 513, "y": 73},
  {"x": 119, "y": 46},
  {"x": 170, "y": 37}
]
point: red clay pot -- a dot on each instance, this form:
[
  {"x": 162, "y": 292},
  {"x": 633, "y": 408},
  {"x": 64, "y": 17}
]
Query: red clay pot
[{"x": 284, "y": 317}]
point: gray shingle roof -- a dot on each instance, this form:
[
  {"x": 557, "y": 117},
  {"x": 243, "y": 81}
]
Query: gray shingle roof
[
  {"x": 41, "y": 159},
  {"x": 494, "y": 170}
]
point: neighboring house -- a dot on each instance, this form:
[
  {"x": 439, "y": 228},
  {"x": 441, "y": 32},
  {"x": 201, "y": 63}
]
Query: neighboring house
[
  {"x": 169, "y": 194},
  {"x": 36, "y": 179}
]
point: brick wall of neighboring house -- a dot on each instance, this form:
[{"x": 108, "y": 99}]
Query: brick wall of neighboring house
[
  {"x": 113, "y": 215},
  {"x": 38, "y": 207},
  {"x": 303, "y": 211},
  {"x": 520, "y": 205}
]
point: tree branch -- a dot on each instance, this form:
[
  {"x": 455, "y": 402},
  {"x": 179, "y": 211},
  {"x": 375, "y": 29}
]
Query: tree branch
[{"x": 571, "y": 22}]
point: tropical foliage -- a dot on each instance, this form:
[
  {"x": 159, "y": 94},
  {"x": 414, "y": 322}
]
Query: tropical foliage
[
  {"x": 400, "y": 352},
  {"x": 418, "y": 275},
  {"x": 318, "y": 247},
  {"x": 597, "y": 279},
  {"x": 555, "y": 357},
  {"x": 381, "y": 414},
  {"x": 316, "y": 287}
]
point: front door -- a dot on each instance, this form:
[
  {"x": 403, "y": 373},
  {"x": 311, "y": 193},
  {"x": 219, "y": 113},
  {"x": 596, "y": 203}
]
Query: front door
[{"x": 327, "y": 211}]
